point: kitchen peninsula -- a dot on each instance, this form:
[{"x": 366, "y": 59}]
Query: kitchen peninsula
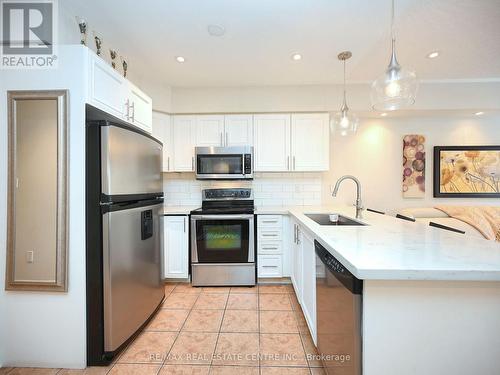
[{"x": 431, "y": 298}]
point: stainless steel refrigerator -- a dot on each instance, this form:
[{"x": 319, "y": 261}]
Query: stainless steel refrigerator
[{"x": 124, "y": 196}]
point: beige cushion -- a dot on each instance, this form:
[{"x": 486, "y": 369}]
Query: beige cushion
[
  {"x": 428, "y": 214},
  {"x": 423, "y": 212}
]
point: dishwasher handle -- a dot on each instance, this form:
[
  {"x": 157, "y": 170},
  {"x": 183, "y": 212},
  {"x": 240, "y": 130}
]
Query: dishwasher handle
[{"x": 336, "y": 268}]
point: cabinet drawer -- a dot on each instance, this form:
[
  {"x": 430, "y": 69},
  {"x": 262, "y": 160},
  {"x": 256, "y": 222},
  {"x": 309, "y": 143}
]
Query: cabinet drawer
[
  {"x": 270, "y": 221},
  {"x": 269, "y": 234},
  {"x": 270, "y": 247},
  {"x": 269, "y": 266}
]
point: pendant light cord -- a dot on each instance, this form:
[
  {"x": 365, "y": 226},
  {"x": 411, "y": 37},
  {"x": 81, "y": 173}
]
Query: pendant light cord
[
  {"x": 344, "y": 85},
  {"x": 393, "y": 34}
]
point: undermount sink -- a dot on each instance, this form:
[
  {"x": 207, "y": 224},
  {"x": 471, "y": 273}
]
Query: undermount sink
[{"x": 324, "y": 219}]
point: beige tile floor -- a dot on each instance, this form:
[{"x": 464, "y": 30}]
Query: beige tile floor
[{"x": 219, "y": 331}]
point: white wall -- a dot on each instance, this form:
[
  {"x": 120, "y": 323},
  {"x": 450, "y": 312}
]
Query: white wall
[
  {"x": 374, "y": 155},
  {"x": 270, "y": 189},
  {"x": 40, "y": 328},
  {"x": 431, "y": 96}
]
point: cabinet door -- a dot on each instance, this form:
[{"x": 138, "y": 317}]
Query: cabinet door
[
  {"x": 310, "y": 142},
  {"x": 309, "y": 283},
  {"x": 107, "y": 88},
  {"x": 210, "y": 130},
  {"x": 141, "y": 110},
  {"x": 238, "y": 130},
  {"x": 272, "y": 143},
  {"x": 162, "y": 130},
  {"x": 183, "y": 132},
  {"x": 175, "y": 247}
]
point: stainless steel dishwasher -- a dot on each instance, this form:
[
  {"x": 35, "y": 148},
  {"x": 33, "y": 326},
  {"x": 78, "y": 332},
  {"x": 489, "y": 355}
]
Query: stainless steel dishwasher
[{"x": 338, "y": 306}]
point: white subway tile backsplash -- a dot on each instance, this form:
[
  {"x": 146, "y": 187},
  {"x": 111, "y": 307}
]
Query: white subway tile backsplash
[{"x": 270, "y": 189}]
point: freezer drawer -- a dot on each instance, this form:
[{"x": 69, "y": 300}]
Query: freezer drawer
[
  {"x": 131, "y": 162},
  {"x": 131, "y": 270}
]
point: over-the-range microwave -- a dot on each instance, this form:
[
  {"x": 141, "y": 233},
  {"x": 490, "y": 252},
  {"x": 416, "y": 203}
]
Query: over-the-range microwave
[{"x": 224, "y": 163}]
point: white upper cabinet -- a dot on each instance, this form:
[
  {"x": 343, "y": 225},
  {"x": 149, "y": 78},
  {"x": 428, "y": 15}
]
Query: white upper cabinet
[
  {"x": 114, "y": 94},
  {"x": 162, "y": 130},
  {"x": 271, "y": 142},
  {"x": 140, "y": 109},
  {"x": 310, "y": 148},
  {"x": 292, "y": 143},
  {"x": 210, "y": 130},
  {"x": 238, "y": 130},
  {"x": 107, "y": 89},
  {"x": 282, "y": 142},
  {"x": 183, "y": 138}
]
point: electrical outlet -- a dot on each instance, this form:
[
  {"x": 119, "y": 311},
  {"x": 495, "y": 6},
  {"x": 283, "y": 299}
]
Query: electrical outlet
[{"x": 30, "y": 256}]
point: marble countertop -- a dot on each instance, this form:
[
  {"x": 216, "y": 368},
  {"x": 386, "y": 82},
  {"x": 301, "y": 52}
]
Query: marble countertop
[{"x": 392, "y": 249}]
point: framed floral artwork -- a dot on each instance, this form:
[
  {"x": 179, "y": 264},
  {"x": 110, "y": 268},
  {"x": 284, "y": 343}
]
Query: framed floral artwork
[
  {"x": 467, "y": 171},
  {"x": 413, "y": 166}
]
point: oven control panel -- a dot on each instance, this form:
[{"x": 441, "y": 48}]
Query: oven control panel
[{"x": 233, "y": 194}]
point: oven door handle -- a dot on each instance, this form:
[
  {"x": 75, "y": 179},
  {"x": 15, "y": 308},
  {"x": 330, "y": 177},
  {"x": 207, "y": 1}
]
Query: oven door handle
[{"x": 222, "y": 217}]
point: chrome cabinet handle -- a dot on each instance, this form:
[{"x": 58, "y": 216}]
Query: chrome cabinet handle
[
  {"x": 269, "y": 266},
  {"x": 269, "y": 221},
  {"x": 269, "y": 235},
  {"x": 133, "y": 111},
  {"x": 295, "y": 233},
  {"x": 184, "y": 225},
  {"x": 127, "y": 106},
  {"x": 168, "y": 163},
  {"x": 288, "y": 163},
  {"x": 269, "y": 248},
  {"x": 294, "y": 163},
  {"x": 227, "y": 139},
  {"x": 221, "y": 139},
  {"x": 192, "y": 163}
]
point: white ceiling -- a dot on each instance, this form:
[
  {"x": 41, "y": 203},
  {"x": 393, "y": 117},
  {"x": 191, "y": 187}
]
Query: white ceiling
[{"x": 261, "y": 35}]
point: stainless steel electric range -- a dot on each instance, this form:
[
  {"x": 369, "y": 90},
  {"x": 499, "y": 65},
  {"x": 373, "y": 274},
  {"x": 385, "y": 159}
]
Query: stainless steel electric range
[{"x": 223, "y": 238}]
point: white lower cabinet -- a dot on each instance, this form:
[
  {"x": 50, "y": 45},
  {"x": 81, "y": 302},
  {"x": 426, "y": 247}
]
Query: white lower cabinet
[
  {"x": 309, "y": 283},
  {"x": 270, "y": 265},
  {"x": 270, "y": 246},
  {"x": 175, "y": 247},
  {"x": 303, "y": 274}
]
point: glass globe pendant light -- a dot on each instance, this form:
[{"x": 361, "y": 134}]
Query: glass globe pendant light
[
  {"x": 344, "y": 123},
  {"x": 397, "y": 87}
]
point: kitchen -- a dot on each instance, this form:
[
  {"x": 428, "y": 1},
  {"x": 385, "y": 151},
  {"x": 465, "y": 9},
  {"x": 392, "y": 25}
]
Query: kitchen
[{"x": 227, "y": 149}]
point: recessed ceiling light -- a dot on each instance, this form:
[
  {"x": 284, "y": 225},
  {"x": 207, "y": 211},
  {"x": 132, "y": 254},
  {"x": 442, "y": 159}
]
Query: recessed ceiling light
[
  {"x": 180, "y": 59},
  {"x": 216, "y": 30},
  {"x": 433, "y": 54},
  {"x": 383, "y": 114},
  {"x": 296, "y": 57},
  {"x": 479, "y": 113}
]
